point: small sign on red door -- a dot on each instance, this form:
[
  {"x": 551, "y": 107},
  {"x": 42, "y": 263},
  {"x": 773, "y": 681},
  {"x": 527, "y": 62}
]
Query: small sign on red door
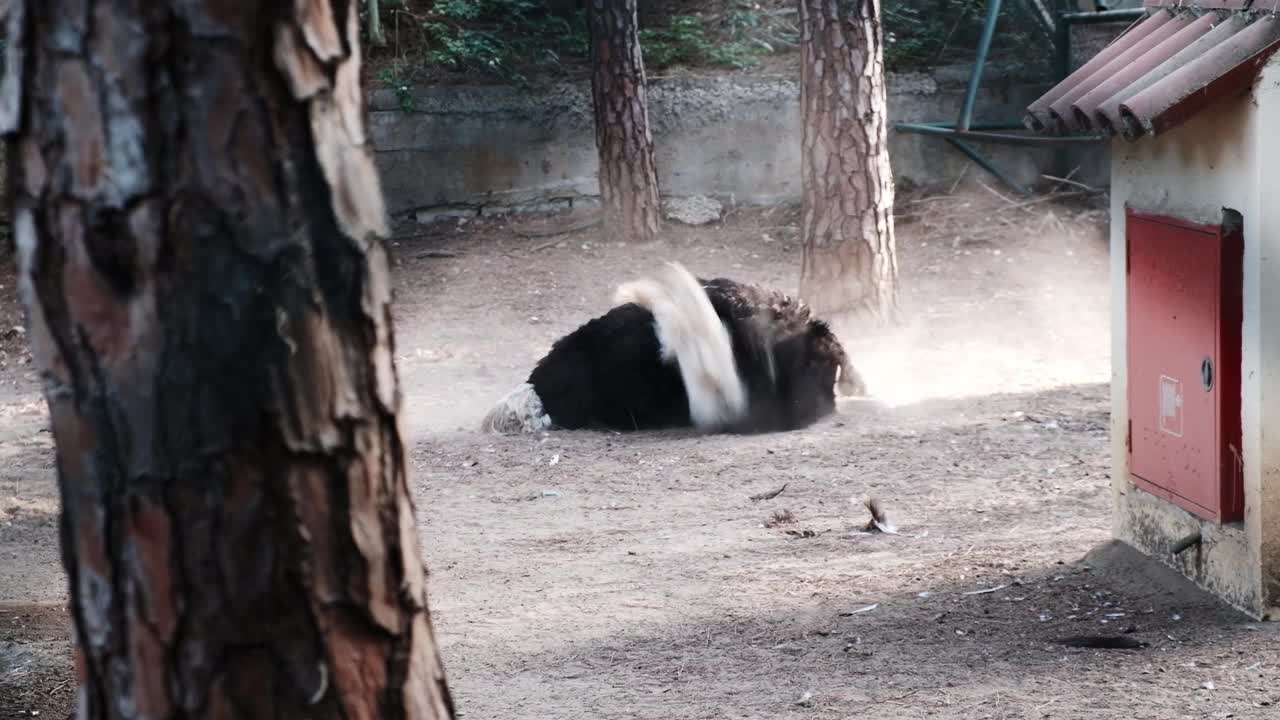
[{"x": 1170, "y": 406}]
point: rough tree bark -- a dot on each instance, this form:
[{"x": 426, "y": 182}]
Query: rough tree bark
[
  {"x": 199, "y": 228},
  {"x": 628, "y": 172},
  {"x": 849, "y": 265}
]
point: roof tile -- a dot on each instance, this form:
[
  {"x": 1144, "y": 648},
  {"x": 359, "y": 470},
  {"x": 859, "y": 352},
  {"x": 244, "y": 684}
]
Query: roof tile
[
  {"x": 1227, "y": 69},
  {"x": 1163, "y": 69},
  {"x": 1038, "y": 117},
  {"x": 1084, "y": 108},
  {"x": 1107, "y": 114}
]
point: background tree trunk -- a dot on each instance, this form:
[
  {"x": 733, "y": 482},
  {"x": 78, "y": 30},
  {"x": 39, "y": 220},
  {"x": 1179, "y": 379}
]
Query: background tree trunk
[
  {"x": 628, "y": 172},
  {"x": 198, "y": 223},
  {"x": 849, "y": 266}
]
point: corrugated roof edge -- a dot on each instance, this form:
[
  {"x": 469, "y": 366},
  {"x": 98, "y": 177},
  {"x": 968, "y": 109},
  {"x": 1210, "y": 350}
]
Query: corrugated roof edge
[
  {"x": 1228, "y": 69},
  {"x": 1107, "y": 115},
  {"x": 1061, "y": 108},
  {"x": 1084, "y": 109},
  {"x": 1038, "y": 118}
]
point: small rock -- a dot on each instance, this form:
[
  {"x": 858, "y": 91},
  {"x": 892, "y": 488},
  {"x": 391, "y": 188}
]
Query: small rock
[
  {"x": 695, "y": 210},
  {"x": 492, "y": 211},
  {"x": 427, "y": 216},
  {"x": 542, "y": 494}
]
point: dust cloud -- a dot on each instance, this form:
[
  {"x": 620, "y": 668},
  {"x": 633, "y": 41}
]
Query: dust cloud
[{"x": 1040, "y": 320}]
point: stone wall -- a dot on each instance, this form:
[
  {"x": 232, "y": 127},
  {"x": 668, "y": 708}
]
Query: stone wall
[{"x": 460, "y": 150}]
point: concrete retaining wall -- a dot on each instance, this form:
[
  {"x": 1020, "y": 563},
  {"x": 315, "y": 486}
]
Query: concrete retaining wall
[{"x": 467, "y": 149}]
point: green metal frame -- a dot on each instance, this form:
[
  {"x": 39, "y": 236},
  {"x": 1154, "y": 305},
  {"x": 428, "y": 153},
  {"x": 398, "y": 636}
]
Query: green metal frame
[{"x": 963, "y": 131}]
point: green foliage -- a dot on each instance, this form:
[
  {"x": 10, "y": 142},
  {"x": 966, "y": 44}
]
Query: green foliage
[
  {"x": 389, "y": 77},
  {"x": 501, "y": 37},
  {"x": 679, "y": 42},
  {"x": 921, "y": 33},
  {"x": 507, "y": 39},
  {"x": 512, "y": 39},
  {"x": 690, "y": 40}
]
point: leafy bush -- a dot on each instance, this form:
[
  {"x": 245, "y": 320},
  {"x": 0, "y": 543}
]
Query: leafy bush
[
  {"x": 921, "y": 33},
  {"x": 689, "y": 40},
  {"x": 501, "y": 36},
  {"x": 508, "y": 39}
]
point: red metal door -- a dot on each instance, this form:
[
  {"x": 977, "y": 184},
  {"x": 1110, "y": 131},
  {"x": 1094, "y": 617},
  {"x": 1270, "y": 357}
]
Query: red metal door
[{"x": 1183, "y": 363}]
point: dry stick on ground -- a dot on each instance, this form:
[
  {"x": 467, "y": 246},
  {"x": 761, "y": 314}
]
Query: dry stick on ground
[
  {"x": 1069, "y": 181},
  {"x": 1008, "y": 200},
  {"x": 769, "y": 495},
  {"x": 1046, "y": 198},
  {"x": 557, "y": 232},
  {"x": 896, "y": 698},
  {"x": 1068, "y": 176},
  {"x": 964, "y": 170}
]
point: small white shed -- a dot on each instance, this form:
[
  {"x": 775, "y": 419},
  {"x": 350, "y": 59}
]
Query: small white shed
[{"x": 1190, "y": 95}]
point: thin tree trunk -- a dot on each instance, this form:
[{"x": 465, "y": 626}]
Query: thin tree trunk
[
  {"x": 849, "y": 266},
  {"x": 199, "y": 224},
  {"x": 628, "y": 171}
]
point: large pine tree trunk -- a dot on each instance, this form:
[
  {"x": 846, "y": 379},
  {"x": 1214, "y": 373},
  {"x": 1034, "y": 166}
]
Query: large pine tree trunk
[
  {"x": 628, "y": 172},
  {"x": 199, "y": 225},
  {"x": 849, "y": 267}
]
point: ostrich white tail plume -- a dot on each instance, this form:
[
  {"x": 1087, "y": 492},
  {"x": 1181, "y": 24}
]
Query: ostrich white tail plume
[{"x": 691, "y": 334}]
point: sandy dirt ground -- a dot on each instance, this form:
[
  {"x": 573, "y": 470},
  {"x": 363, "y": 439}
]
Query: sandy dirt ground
[{"x": 595, "y": 575}]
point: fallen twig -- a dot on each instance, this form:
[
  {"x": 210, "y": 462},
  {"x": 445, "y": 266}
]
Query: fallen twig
[
  {"x": 1046, "y": 198},
  {"x": 558, "y": 231},
  {"x": 1069, "y": 181},
  {"x": 896, "y": 698},
  {"x": 543, "y": 246},
  {"x": 1008, "y": 200},
  {"x": 963, "y": 171},
  {"x": 769, "y": 495},
  {"x": 1068, "y": 176},
  {"x": 859, "y": 611}
]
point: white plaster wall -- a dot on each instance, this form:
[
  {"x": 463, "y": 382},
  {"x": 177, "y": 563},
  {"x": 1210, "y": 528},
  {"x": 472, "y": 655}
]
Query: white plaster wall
[
  {"x": 1264, "y": 333},
  {"x": 1216, "y": 161}
]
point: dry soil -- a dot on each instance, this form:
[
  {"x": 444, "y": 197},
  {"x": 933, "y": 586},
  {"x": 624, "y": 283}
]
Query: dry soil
[{"x": 596, "y": 575}]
